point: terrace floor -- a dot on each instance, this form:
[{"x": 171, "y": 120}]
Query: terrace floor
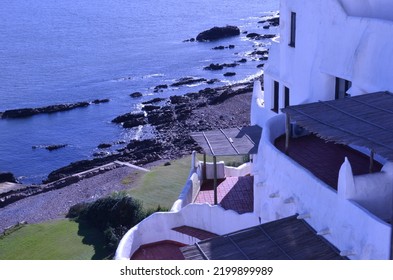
[
  {"x": 164, "y": 250},
  {"x": 324, "y": 159},
  {"x": 235, "y": 193}
]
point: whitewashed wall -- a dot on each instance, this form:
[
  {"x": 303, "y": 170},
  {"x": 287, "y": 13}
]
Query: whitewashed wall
[
  {"x": 338, "y": 38},
  {"x": 373, "y": 192},
  {"x": 282, "y": 188},
  {"x": 158, "y": 227}
]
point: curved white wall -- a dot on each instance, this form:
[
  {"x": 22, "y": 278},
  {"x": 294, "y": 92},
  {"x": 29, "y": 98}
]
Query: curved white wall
[
  {"x": 283, "y": 188},
  {"x": 158, "y": 227}
]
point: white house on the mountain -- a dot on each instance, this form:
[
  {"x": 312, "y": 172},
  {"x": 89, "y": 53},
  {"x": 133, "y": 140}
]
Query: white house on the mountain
[{"x": 328, "y": 77}]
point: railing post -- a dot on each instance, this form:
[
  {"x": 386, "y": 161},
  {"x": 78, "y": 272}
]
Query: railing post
[
  {"x": 287, "y": 132},
  {"x": 215, "y": 179},
  {"x": 204, "y": 167},
  {"x": 371, "y": 161}
]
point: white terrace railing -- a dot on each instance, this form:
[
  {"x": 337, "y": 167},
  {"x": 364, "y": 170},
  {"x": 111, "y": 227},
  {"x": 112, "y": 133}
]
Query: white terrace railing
[
  {"x": 159, "y": 226},
  {"x": 196, "y": 177}
]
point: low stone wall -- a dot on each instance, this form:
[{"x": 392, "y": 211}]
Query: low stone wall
[{"x": 7, "y": 198}]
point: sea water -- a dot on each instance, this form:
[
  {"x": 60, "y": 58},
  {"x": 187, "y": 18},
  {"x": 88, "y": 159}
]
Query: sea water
[{"x": 61, "y": 51}]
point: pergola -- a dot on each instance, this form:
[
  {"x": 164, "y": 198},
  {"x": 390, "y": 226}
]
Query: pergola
[
  {"x": 227, "y": 142},
  {"x": 365, "y": 120}
]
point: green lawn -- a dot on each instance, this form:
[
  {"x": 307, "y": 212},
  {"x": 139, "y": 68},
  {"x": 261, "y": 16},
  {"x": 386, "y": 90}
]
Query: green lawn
[
  {"x": 56, "y": 240},
  {"x": 163, "y": 184},
  {"x": 68, "y": 240}
]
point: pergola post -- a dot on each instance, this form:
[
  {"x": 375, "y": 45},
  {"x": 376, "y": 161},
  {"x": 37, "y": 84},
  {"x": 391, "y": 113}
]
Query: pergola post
[
  {"x": 204, "y": 167},
  {"x": 215, "y": 179},
  {"x": 371, "y": 161},
  {"x": 391, "y": 234},
  {"x": 287, "y": 132}
]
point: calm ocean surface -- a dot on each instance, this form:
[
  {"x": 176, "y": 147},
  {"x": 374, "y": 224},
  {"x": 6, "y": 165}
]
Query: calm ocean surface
[{"x": 61, "y": 51}]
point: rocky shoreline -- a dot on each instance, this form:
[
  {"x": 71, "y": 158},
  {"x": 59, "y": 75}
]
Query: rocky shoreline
[
  {"x": 227, "y": 106},
  {"x": 172, "y": 120}
]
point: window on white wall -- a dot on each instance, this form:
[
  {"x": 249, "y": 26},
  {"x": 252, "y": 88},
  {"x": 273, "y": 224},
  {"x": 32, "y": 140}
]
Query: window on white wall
[
  {"x": 342, "y": 87},
  {"x": 276, "y": 92},
  {"x": 292, "y": 38},
  {"x": 286, "y": 97}
]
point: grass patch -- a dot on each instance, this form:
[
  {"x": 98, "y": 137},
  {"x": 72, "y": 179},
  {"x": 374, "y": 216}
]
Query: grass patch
[
  {"x": 163, "y": 184},
  {"x": 57, "y": 240},
  {"x": 234, "y": 161}
]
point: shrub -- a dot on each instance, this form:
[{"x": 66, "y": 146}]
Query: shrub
[
  {"x": 114, "y": 215},
  {"x": 76, "y": 210}
]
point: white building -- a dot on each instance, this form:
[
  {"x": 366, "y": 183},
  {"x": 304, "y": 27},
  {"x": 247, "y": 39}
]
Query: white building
[{"x": 327, "y": 50}]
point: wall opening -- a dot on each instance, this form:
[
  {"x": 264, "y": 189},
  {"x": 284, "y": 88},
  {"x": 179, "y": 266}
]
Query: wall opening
[
  {"x": 276, "y": 90},
  {"x": 286, "y": 97},
  {"x": 342, "y": 87},
  {"x": 292, "y": 38}
]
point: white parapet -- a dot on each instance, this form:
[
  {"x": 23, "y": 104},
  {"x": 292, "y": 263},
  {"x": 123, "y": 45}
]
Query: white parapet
[{"x": 158, "y": 227}]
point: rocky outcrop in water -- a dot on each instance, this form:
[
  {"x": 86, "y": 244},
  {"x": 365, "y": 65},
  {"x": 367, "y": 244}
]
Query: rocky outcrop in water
[
  {"x": 136, "y": 94},
  {"x": 218, "y": 66},
  {"x": 217, "y": 33},
  {"x": 28, "y": 112},
  {"x": 188, "y": 81},
  {"x": 274, "y": 21},
  {"x": 50, "y": 147}
]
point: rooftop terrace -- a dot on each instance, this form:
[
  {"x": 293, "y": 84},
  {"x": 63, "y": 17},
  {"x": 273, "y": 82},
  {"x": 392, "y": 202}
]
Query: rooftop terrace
[{"x": 324, "y": 159}]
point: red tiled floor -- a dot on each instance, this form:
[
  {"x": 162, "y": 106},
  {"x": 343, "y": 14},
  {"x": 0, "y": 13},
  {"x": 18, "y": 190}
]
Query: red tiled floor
[
  {"x": 164, "y": 250},
  {"x": 235, "y": 193},
  {"x": 324, "y": 159}
]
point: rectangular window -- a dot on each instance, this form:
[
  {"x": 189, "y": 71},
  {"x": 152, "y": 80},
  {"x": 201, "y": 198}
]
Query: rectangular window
[
  {"x": 275, "y": 96},
  {"x": 286, "y": 97},
  {"x": 342, "y": 87},
  {"x": 292, "y": 39}
]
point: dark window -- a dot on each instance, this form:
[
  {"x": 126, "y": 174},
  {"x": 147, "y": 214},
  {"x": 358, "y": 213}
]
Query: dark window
[
  {"x": 342, "y": 87},
  {"x": 292, "y": 39},
  {"x": 276, "y": 96},
  {"x": 286, "y": 97}
]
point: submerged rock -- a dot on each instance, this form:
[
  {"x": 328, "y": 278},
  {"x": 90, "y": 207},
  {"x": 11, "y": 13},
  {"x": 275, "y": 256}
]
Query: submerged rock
[
  {"x": 136, "y": 94},
  {"x": 217, "y": 33},
  {"x": 229, "y": 74},
  {"x": 55, "y": 147},
  {"x": 98, "y": 101}
]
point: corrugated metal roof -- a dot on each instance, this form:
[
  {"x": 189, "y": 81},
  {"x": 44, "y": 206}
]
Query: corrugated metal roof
[{"x": 229, "y": 141}]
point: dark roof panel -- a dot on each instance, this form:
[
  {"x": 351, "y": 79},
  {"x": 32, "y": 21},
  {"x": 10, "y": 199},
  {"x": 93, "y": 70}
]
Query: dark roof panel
[
  {"x": 364, "y": 120},
  {"x": 229, "y": 141},
  {"x": 284, "y": 239}
]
